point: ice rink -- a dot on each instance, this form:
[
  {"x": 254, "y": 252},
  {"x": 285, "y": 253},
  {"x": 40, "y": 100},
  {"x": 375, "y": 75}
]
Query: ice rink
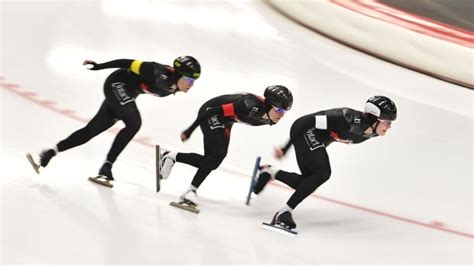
[{"x": 406, "y": 198}]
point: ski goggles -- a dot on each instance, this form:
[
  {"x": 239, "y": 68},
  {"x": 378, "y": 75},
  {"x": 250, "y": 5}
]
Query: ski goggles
[
  {"x": 280, "y": 111},
  {"x": 189, "y": 80},
  {"x": 388, "y": 122}
]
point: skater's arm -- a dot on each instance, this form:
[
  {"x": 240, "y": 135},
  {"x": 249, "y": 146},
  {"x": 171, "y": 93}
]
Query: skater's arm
[
  {"x": 119, "y": 63},
  {"x": 133, "y": 65},
  {"x": 218, "y": 110},
  {"x": 279, "y": 152},
  {"x": 287, "y": 146}
]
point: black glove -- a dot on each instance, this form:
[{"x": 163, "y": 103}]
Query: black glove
[{"x": 95, "y": 66}]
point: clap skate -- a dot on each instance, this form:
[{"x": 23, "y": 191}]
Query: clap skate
[
  {"x": 282, "y": 223},
  {"x": 253, "y": 181},
  {"x": 44, "y": 158},
  {"x": 158, "y": 158},
  {"x": 101, "y": 180},
  {"x": 186, "y": 204},
  {"x": 266, "y": 173},
  {"x": 104, "y": 177},
  {"x": 262, "y": 175},
  {"x": 34, "y": 164}
]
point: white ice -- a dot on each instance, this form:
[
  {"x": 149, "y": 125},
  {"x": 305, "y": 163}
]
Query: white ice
[{"x": 404, "y": 198}]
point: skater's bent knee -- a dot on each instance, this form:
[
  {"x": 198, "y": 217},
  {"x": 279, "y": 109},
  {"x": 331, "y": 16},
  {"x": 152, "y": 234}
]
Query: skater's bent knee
[{"x": 133, "y": 127}]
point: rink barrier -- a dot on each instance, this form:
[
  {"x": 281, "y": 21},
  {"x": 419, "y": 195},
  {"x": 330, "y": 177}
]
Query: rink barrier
[{"x": 429, "y": 47}]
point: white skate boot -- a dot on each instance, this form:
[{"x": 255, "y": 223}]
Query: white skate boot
[
  {"x": 167, "y": 161},
  {"x": 187, "y": 201}
]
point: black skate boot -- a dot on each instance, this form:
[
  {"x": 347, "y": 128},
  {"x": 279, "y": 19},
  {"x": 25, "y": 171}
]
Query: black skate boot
[
  {"x": 284, "y": 219},
  {"x": 262, "y": 181},
  {"x": 106, "y": 171},
  {"x": 46, "y": 156},
  {"x": 263, "y": 178},
  {"x": 282, "y": 223}
]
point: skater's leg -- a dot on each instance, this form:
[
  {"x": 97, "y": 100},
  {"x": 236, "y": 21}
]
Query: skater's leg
[
  {"x": 293, "y": 179},
  {"x": 318, "y": 163},
  {"x": 124, "y": 108},
  {"x": 304, "y": 189},
  {"x": 195, "y": 159},
  {"x": 130, "y": 115},
  {"x": 315, "y": 168},
  {"x": 103, "y": 120},
  {"x": 169, "y": 158},
  {"x": 192, "y": 159},
  {"x": 208, "y": 164},
  {"x": 216, "y": 142}
]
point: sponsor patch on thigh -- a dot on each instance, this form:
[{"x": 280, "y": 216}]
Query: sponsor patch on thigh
[
  {"x": 121, "y": 93},
  {"x": 311, "y": 140},
  {"x": 215, "y": 123}
]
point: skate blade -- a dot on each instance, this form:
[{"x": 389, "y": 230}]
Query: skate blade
[
  {"x": 33, "y": 163},
  {"x": 99, "y": 180},
  {"x": 184, "y": 207},
  {"x": 253, "y": 180},
  {"x": 158, "y": 176},
  {"x": 280, "y": 229}
]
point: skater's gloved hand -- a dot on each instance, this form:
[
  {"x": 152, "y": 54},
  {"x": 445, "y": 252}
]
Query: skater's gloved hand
[
  {"x": 184, "y": 136},
  {"x": 278, "y": 153},
  {"x": 90, "y": 62}
]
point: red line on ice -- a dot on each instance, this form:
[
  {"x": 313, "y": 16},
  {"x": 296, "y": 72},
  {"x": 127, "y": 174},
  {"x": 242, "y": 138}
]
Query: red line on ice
[{"x": 147, "y": 142}]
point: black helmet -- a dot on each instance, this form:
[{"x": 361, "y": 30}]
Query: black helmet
[
  {"x": 278, "y": 96},
  {"x": 187, "y": 66},
  {"x": 381, "y": 107}
]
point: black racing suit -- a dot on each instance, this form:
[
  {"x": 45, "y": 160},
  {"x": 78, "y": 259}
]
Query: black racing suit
[
  {"x": 310, "y": 135},
  {"x": 216, "y": 118},
  {"x": 121, "y": 88}
]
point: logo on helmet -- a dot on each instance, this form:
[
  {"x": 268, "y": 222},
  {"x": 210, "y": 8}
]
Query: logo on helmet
[
  {"x": 187, "y": 66},
  {"x": 381, "y": 107}
]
